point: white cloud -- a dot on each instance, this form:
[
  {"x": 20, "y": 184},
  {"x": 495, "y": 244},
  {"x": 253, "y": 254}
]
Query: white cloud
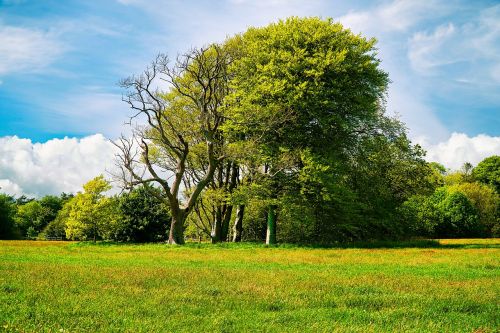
[
  {"x": 423, "y": 48},
  {"x": 460, "y": 148},
  {"x": 475, "y": 45},
  {"x": 195, "y": 23},
  {"x": 58, "y": 165},
  {"x": 398, "y": 15},
  {"x": 23, "y": 49},
  {"x": 406, "y": 102},
  {"x": 7, "y": 186}
]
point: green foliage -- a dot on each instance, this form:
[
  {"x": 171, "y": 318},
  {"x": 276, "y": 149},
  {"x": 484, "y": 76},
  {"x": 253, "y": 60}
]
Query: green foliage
[
  {"x": 486, "y": 201},
  {"x": 447, "y": 213},
  {"x": 438, "y": 172},
  {"x": 454, "y": 178},
  {"x": 458, "y": 217},
  {"x": 296, "y": 80},
  {"x": 33, "y": 216},
  {"x": 143, "y": 216},
  {"x": 92, "y": 215},
  {"x": 488, "y": 172},
  {"x": 57, "y": 227},
  {"x": 8, "y": 228}
]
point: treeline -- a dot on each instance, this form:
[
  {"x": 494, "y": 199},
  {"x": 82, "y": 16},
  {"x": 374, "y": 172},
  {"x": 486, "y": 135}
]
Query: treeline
[
  {"x": 135, "y": 216},
  {"x": 464, "y": 203}
]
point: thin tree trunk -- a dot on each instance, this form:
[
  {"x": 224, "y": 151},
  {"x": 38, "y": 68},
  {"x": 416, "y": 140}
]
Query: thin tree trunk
[
  {"x": 271, "y": 225},
  {"x": 228, "y": 211},
  {"x": 238, "y": 223},
  {"x": 217, "y": 225}
]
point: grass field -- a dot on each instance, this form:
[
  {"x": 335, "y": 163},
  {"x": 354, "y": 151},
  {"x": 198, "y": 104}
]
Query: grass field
[{"x": 450, "y": 286}]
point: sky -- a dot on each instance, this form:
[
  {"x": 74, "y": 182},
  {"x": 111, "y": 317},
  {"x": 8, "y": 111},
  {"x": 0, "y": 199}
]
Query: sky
[{"x": 60, "y": 62}]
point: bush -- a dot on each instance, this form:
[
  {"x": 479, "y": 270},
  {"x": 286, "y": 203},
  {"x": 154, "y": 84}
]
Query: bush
[{"x": 143, "y": 217}]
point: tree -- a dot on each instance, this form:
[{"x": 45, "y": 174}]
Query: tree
[
  {"x": 488, "y": 172},
  {"x": 32, "y": 216},
  {"x": 56, "y": 228},
  {"x": 182, "y": 140},
  {"x": 486, "y": 201},
  {"x": 143, "y": 217},
  {"x": 8, "y": 228},
  {"x": 35, "y": 215},
  {"x": 459, "y": 218},
  {"x": 298, "y": 84},
  {"x": 438, "y": 172},
  {"x": 387, "y": 171},
  {"x": 447, "y": 213},
  {"x": 91, "y": 214}
]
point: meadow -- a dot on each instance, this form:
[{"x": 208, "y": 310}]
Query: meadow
[{"x": 426, "y": 286}]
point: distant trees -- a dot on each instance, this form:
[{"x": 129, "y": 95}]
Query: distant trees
[
  {"x": 8, "y": 228},
  {"x": 142, "y": 216},
  {"x": 387, "y": 193},
  {"x": 33, "y": 216},
  {"x": 488, "y": 172},
  {"x": 462, "y": 207},
  {"x": 91, "y": 215}
]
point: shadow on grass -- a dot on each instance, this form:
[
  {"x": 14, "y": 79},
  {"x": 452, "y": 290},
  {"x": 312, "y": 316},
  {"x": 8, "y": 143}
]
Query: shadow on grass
[
  {"x": 388, "y": 244},
  {"x": 421, "y": 243}
]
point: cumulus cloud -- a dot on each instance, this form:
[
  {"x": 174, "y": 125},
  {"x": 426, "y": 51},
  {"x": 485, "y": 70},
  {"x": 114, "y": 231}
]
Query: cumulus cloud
[
  {"x": 461, "y": 148},
  {"x": 58, "y": 165},
  {"x": 23, "y": 49}
]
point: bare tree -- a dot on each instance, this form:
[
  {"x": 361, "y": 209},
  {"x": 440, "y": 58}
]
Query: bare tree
[{"x": 181, "y": 147}]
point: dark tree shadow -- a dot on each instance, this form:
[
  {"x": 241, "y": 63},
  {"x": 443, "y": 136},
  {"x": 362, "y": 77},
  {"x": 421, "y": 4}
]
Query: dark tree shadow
[{"x": 378, "y": 244}]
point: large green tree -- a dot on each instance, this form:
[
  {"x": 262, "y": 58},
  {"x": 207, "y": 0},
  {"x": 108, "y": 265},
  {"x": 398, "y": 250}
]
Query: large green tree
[{"x": 302, "y": 84}]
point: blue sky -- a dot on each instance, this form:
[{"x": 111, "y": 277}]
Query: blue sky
[{"x": 60, "y": 62}]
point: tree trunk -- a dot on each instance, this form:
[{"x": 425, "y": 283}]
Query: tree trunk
[
  {"x": 215, "y": 234},
  {"x": 271, "y": 226},
  {"x": 228, "y": 211},
  {"x": 238, "y": 223},
  {"x": 176, "y": 235}
]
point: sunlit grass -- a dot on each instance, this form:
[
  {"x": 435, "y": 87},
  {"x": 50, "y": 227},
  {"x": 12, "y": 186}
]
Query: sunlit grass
[{"x": 445, "y": 286}]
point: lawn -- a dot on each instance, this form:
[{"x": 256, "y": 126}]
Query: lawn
[{"x": 445, "y": 286}]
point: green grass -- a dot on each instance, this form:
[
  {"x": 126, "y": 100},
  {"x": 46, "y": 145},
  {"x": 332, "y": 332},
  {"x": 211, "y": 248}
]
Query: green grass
[{"x": 427, "y": 286}]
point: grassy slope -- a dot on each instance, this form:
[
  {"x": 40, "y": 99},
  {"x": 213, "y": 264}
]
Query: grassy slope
[{"x": 56, "y": 286}]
